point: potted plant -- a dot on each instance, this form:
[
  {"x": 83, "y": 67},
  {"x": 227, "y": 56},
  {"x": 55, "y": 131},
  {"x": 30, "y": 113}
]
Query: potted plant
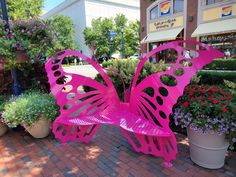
[
  {"x": 3, "y": 126},
  {"x": 34, "y": 110},
  {"x": 208, "y": 113}
]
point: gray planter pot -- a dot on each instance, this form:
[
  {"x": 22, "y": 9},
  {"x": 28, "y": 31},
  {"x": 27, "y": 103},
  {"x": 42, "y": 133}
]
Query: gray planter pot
[{"x": 207, "y": 150}]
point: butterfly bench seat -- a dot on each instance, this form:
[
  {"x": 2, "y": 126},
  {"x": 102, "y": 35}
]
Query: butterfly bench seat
[
  {"x": 143, "y": 118},
  {"x": 124, "y": 119}
]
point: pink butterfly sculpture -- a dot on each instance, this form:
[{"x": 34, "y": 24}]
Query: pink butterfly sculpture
[{"x": 143, "y": 118}]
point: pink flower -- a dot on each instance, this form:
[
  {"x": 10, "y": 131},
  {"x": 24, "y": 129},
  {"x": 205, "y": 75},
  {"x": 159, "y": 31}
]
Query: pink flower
[
  {"x": 185, "y": 104},
  {"x": 215, "y": 101},
  {"x": 224, "y": 110}
]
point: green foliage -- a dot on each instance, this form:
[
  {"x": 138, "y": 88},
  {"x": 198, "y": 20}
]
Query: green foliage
[
  {"x": 222, "y": 64},
  {"x": 30, "y": 36},
  {"x": 214, "y": 77},
  {"x": 232, "y": 88},
  {"x": 3, "y": 100},
  {"x": 230, "y": 84},
  {"x": 64, "y": 33},
  {"x": 24, "y": 9},
  {"x": 124, "y": 70},
  {"x": 28, "y": 108},
  {"x": 98, "y": 35}
]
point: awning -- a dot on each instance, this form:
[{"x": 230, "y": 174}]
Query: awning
[
  {"x": 165, "y": 35},
  {"x": 218, "y": 27}
]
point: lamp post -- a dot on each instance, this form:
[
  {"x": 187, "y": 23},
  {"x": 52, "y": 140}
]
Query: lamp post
[
  {"x": 123, "y": 43},
  {"x": 15, "y": 87},
  {"x": 4, "y": 12}
]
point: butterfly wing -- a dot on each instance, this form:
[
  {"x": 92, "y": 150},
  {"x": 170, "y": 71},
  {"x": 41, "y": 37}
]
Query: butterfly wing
[
  {"x": 156, "y": 106},
  {"x": 73, "y": 101}
]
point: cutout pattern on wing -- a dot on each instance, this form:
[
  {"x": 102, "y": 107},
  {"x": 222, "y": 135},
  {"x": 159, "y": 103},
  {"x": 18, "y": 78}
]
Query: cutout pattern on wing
[
  {"x": 165, "y": 88},
  {"x": 68, "y": 91}
]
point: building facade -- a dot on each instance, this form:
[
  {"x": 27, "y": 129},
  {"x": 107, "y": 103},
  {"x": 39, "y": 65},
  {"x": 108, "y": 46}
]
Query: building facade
[
  {"x": 217, "y": 24},
  {"x": 165, "y": 21},
  {"x": 82, "y": 12},
  {"x": 208, "y": 21}
]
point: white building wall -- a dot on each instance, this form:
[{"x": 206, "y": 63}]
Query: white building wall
[
  {"x": 83, "y": 11},
  {"x": 102, "y": 8}
]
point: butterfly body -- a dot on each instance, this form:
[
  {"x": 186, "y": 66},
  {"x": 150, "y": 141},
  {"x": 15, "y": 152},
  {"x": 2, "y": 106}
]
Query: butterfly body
[{"x": 143, "y": 118}]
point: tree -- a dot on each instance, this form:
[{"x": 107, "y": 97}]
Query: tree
[
  {"x": 64, "y": 31},
  {"x": 24, "y": 9},
  {"x": 99, "y": 32}
]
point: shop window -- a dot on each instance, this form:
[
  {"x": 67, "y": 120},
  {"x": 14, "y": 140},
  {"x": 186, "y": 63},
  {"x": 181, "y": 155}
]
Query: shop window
[
  {"x": 154, "y": 13},
  {"x": 208, "y": 2},
  {"x": 168, "y": 55},
  {"x": 178, "y": 6}
]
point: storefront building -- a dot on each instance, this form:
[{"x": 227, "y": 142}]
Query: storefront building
[
  {"x": 164, "y": 21},
  {"x": 217, "y": 24}
]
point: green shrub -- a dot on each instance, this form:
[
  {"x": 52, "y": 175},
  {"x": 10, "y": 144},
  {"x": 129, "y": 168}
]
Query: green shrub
[
  {"x": 28, "y": 108},
  {"x": 222, "y": 64},
  {"x": 125, "y": 69},
  {"x": 216, "y": 77}
]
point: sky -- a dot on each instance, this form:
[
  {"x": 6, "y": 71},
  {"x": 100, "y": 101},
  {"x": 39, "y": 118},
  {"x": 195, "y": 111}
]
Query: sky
[{"x": 49, "y": 4}]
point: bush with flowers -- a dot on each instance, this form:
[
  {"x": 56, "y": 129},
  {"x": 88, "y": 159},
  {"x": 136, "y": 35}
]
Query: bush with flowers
[
  {"x": 33, "y": 37},
  {"x": 206, "y": 109}
]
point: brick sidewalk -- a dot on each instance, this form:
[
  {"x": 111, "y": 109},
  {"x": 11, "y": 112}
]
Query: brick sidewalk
[{"x": 109, "y": 154}]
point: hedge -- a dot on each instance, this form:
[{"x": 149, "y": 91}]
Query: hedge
[
  {"x": 215, "y": 77},
  {"x": 222, "y": 64}
]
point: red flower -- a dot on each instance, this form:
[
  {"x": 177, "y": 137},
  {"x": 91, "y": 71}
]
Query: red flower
[
  {"x": 203, "y": 91},
  {"x": 213, "y": 89},
  {"x": 224, "y": 110},
  {"x": 215, "y": 101},
  {"x": 222, "y": 98},
  {"x": 199, "y": 98},
  {"x": 192, "y": 99},
  {"x": 204, "y": 103},
  {"x": 185, "y": 104},
  {"x": 211, "y": 96}
]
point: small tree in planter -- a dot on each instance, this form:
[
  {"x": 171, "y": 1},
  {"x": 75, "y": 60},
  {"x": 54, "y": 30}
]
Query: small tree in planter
[
  {"x": 208, "y": 113},
  {"x": 34, "y": 110}
]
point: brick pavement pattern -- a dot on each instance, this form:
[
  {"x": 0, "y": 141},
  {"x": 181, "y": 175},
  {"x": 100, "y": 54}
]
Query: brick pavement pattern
[{"x": 108, "y": 154}]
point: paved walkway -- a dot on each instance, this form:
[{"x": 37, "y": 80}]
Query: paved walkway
[
  {"x": 109, "y": 154},
  {"x": 85, "y": 70}
]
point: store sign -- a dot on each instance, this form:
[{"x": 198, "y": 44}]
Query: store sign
[
  {"x": 218, "y": 38},
  {"x": 166, "y": 24},
  {"x": 227, "y": 11},
  {"x": 165, "y": 8}
]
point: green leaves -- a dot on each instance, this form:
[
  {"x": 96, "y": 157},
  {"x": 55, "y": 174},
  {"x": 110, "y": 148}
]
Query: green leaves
[
  {"x": 24, "y": 9},
  {"x": 28, "y": 108},
  {"x": 98, "y": 34},
  {"x": 64, "y": 33}
]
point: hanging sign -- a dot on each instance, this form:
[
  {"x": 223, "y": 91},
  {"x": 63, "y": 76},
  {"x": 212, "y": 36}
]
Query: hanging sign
[
  {"x": 165, "y": 8},
  {"x": 227, "y": 11}
]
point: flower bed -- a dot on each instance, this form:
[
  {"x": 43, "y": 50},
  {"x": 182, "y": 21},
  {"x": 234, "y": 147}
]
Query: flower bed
[{"x": 207, "y": 108}]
